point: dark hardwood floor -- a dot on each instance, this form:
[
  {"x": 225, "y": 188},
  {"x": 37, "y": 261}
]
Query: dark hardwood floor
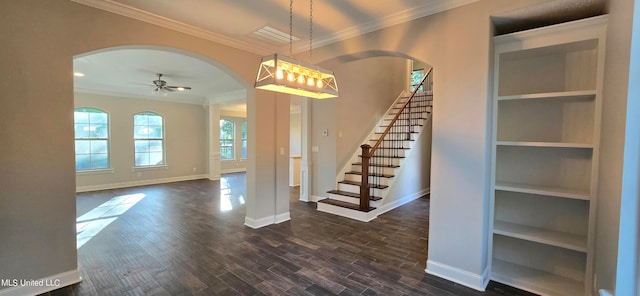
[{"x": 188, "y": 238}]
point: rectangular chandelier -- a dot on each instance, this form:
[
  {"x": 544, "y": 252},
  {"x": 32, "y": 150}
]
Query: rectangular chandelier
[{"x": 285, "y": 75}]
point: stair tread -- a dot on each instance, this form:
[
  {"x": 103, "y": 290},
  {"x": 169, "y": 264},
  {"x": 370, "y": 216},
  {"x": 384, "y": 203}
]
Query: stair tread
[
  {"x": 344, "y": 204},
  {"x": 385, "y": 148},
  {"x": 390, "y": 140},
  {"x": 411, "y": 132},
  {"x": 355, "y": 183},
  {"x": 412, "y": 118},
  {"x": 351, "y": 194},
  {"x": 370, "y": 174},
  {"x": 413, "y": 112},
  {"x": 384, "y": 156},
  {"x": 403, "y": 125},
  {"x": 377, "y": 165}
]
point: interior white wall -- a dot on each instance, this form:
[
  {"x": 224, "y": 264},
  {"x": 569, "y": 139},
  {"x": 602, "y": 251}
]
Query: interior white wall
[
  {"x": 41, "y": 38},
  {"x": 295, "y": 145},
  {"x": 184, "y": 138},
  {"x": 295, "y": 133},
  {"x": 460, "y": 51},
  {"x": 367, "y": 89},
  {"x": 36, "y": 63},
  {"x": 413, "y": 179}
]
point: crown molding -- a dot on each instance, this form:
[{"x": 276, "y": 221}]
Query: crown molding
[
  {"x": 378, "y": 24},
  {"x": 141, "y": 15},
  {"x": 398, "y": 18}
]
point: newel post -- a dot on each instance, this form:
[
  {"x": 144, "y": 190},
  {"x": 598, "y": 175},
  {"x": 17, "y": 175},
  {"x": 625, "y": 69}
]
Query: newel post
[{"x": 364, "y": 186}]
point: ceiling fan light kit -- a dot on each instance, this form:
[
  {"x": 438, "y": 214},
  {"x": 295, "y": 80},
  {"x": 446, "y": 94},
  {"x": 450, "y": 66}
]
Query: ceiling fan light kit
[
  {"x": 162, "y": 87},
  {"x": 286, "y": 75}
]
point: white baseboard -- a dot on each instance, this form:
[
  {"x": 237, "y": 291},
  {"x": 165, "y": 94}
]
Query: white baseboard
[
  {"x": 231, "y": 171},
  {"x": 34, "y": 287},
  {"x": 347, "y": 213},
  {"x": 282, "y": 218},
  {"x": 139, "y": 183},
  {"x": 258, "y": 223},
  {"x": 262, "y": 222},
  {"x": 474, "y": 281},
  {"x": 402, "y": 201}
]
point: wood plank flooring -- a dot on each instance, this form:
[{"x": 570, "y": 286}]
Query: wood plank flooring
[{"x": 177, "y": 241}]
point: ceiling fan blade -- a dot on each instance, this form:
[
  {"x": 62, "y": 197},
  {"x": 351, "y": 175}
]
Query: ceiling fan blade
[{"x": 178, "y": 87}]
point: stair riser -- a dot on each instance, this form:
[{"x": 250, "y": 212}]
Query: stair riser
[
  {"x": 385, "y": 170},
  {"x": 348, "y": 199},
  {"x": 397, "y": 144},
  {"x": 390, "y": 152},
  {"x": 417, "y": 104},
  {"x": 384, "y": 162},
  {"x": 403, "y": 118},
  {"x": 416, "y": 128},
  {"x": 402, "y": 136},
  {"x": 356, "y": 189},
  {"x": 365, "y": 217},
  {"x": 358, "y": 178},
  {"x": 349, "y": 188},
  {"x": 355, "y": 201}
]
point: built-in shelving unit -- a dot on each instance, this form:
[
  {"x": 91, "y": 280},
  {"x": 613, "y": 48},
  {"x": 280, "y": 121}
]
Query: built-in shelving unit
[{"x": 547, "y": 105}]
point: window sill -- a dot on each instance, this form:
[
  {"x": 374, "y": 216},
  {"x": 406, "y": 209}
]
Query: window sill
[
  {"x": 95, "y": 172},
  {"x": 150, "y": 168}
]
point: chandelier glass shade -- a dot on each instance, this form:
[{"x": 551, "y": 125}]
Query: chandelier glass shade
[{"x": 283, "y": 74}]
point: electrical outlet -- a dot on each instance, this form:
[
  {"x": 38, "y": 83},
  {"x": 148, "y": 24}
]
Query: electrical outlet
[{"x": 194, "y": 170}]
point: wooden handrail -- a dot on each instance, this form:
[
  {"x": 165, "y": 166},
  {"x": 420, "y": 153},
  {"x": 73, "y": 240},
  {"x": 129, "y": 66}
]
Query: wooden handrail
[
  {"x": 395, "y": 118},
  {"x": 368, "y": 151}
]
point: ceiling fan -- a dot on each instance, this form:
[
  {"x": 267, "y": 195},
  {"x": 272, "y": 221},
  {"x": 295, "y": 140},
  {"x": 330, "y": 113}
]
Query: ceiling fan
[{"x": 161, "y": 85}]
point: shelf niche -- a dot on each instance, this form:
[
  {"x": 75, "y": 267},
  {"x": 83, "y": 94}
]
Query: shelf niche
[
  {"x": 556, "y": 221},
  {"x": 555, "y": 120},
  {"x": 567, "y": 169},
  {"x": 557, "y": 68}
]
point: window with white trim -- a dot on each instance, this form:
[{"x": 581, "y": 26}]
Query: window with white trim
[
  {"x": 91, "y": 139},
  {"x": 227, "y": 136},
  {"x": 148, "y": 135}
]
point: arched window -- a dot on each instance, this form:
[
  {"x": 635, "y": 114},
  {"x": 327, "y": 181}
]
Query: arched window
[
  {"x": 148, "y": 135},
  {"x": 92, "y": 139},
  {"x": 227, "y": 135}
]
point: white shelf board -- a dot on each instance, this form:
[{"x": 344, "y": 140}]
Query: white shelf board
[
  {"x": 534, "y": 280},
  {"x": 584, "y": 94},
  {"x": 543, "y": 190},
  {"x": 545, "y": 144},
  {"x": 540, "y": 235}
]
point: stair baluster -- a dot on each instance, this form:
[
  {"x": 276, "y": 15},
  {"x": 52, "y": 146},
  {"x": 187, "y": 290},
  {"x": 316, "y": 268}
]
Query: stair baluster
[{"x": 391, "y": 140}]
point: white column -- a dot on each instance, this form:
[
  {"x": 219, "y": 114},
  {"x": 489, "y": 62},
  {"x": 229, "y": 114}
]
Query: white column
[{"x": 214, "y": 141}]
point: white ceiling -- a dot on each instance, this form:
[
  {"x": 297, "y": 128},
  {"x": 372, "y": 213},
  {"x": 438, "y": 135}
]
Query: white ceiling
[
  {"x": 232, "y": 21},
  {"x": 130, "y": 72}
]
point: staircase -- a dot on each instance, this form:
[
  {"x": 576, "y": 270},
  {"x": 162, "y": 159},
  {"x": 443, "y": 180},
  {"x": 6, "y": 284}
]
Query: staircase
[{"x": 366, "y": 180}]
